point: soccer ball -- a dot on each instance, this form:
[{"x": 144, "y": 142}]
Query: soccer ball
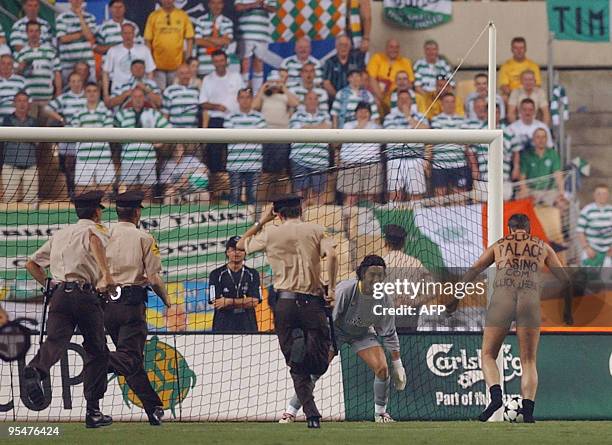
[{"x": 513, "y": 410}]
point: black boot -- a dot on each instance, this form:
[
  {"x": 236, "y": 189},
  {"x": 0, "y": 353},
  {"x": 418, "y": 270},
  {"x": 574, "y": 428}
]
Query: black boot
[
  {"x": 528, "y": 406},
  {"x": 155, "y": 416},
  {"x": 495, "y": 404},
  {"x": 33, "y": 386},
  {"x": 95, "y": 419},
  {"x": 313, "y": 422}
]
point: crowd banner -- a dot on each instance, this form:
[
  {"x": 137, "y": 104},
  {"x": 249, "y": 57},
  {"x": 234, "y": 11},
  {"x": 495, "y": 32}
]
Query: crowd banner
[
  {"x": 418, "y": 14},
  {"x": 585, "y": 21}
]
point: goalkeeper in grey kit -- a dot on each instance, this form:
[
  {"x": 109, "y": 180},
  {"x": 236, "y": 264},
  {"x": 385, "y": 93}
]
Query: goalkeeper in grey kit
[{"x": 357, "y": 325}]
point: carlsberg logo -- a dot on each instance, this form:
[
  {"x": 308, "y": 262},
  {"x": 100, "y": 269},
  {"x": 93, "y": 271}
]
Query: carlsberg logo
[{"x": 443, "y": 361}]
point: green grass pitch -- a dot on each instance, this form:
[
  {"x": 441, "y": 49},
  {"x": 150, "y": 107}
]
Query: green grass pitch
[{"x": 331, "y": 433}]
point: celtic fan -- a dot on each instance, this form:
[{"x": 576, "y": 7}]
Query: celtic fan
[{"x": 356, "y": 324}]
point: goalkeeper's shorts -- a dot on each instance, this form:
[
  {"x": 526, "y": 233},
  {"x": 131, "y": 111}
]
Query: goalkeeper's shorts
[{"x": 357, "y": 344}]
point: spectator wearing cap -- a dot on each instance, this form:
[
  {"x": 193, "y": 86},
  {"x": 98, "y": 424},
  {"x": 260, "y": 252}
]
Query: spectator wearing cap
[
  {"x": 20, "y": 171},
  {"x": 443, "y": 86},
  {"x": 360, "y": 173},
  {"x": 310, "y": 161},
  {"x": 307, "y": 83},
  {"x": 76, "y": 31},
  {"x": 120, "y": 94},
  {"x": 244, "y": 161},
  {"x": 530, "y": 90},
  {"x": 427, "y": 69},
  {"x": 276, "y": 102},
  {"x": 19, "y": 38},
  {"x": 383, "y": 67},
  {"x": 10, "y": 84},
  {"x": 524, "y": 128},
  {"x": 213, "y": 31},
  {"x": 169, "y": 34},
  {"x": 481, "y": 85},
  {"x": 118, "y": 60},
  {"x": 510, "y": 71},
  {"x": 450, "y": 171},
  {"x": 337, "y": 67},
  {"x": 303, "y": 55},
  {"x": 343, "y": 108},
  {"x": 235, "y": 291},
  {"x": 139, "y": 159},
  {"x": 110, "y": 33},
  {"x": 218, "y": 99}
]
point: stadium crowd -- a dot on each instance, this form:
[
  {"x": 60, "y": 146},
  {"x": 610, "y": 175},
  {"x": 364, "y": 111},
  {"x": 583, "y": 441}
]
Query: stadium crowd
[{"x": 184, "y": 73}]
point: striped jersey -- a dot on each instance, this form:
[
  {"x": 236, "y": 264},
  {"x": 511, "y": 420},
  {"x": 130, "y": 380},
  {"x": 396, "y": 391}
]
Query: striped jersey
[
  {"x": 73, "y": 52},
  {"x": 448, "y": 155},
  {"x": 97, "y": 118},
  {"x": 347, "y": 100},
  {"x": 294, "y": 66},
  {"x": 9, "y": 86},
  {"x": 149, "y": 118},
  {"x": 109, "y": 33},
  {"x": 596, "y": 224},
  {"x": 311, "y": 155},
  {"x": 20, "y": 38},
  {"x": 41, "y": 65},
  {"x": 398, "y": 120},
  {"x": 255, "y": 25},
  {"x": 300, "y": 91},
  {"x": 425, "y": 74},
  {"x": 118, "y": 90},
  {"x": 205, "y": 27},
  {"x": 244, "y": 157},
  {"x": 181, "y": 104},
  {"x": 68, "y": 105}
]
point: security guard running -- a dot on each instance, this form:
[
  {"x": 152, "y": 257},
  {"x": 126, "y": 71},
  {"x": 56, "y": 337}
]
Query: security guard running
[
  {"x": 76, "y": 258},
  {"x": 294, "y": 250},
  {"x": 135, "y": 263}
]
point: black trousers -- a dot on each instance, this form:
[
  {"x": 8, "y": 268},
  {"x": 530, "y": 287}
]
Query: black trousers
[
  {"x": 68, "y": 309},
  {"x": 127, "y": 326},
  {"x": 307, "y": 313},
  {"x": 216, "y": 154}
]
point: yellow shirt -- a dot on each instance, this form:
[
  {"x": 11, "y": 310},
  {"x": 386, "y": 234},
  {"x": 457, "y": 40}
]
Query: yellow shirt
[
  {"x": 510, "y": 72},
  {"x": 384, "y": 70},
  {"x": 424, "y": 101},
  {"x": 167, "y": 33}
]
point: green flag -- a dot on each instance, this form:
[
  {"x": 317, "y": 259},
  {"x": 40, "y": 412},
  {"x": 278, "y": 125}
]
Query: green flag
[{"x": 586, "y": 21}]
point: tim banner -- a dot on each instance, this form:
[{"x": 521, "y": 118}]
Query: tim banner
[
  {"x": 586, "y": 21},
  {"x": 445, "y": 379},
  {"x": 418, "y": 14}
]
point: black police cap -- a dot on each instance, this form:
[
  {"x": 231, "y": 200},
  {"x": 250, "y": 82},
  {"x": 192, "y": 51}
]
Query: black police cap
[
  {"x": 130, "y": 200},
  {"x": 285, "y": 201},
  {"x": 394, "y": 232},
  {"x": 232, "y": 242},
  {"x": 89, "y": 199}
]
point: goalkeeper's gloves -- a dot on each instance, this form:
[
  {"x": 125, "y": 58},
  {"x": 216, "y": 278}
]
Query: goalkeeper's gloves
[{"x": 399, "y": 374}]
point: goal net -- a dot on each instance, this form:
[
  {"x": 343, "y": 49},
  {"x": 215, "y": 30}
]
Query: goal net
[{"x": 356, "y": 183}]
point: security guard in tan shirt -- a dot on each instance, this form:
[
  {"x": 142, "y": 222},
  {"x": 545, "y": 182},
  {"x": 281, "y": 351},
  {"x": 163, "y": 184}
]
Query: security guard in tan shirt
[
  {"x": 294, "y": 250},
  {"x": 76, "y": 258},
  {"x": 135, "y": 264}
]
